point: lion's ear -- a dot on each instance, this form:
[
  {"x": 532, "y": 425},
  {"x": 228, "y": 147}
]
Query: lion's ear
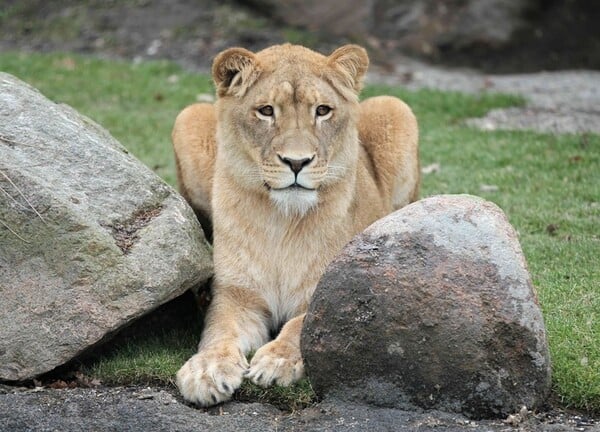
[
  {"x": 234, "y": 70},
  {"x": 351, "y": 63}
]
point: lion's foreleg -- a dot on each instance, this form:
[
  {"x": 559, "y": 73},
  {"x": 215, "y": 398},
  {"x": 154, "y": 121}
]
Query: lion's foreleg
[
  {"x": 279, "y": 361},
  {"x": 236, "y": 323}
]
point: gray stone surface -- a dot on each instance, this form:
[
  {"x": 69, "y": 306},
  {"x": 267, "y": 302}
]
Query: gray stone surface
[
  {"x": 90, "y": 238},
  {"x": 431, "y": 306},
  {"x": 152, "y": 409}
]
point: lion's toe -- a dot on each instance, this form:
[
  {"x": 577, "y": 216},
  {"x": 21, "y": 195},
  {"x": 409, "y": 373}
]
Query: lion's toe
[
  {"x": 209, "y": 378},
  {"x": 276, "y": 363}
]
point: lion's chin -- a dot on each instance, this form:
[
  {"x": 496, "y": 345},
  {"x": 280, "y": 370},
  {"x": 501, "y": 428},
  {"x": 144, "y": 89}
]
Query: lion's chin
[{"x": 294, "y": 201}]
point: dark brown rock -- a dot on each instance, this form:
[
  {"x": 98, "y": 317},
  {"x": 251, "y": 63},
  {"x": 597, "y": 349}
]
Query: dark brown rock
[
  {"x": 347, "y": 18},
  {"x": 423, "y": 27},
  {"x": 432, "y": 26},
  {"x": 431, "y": 306}
]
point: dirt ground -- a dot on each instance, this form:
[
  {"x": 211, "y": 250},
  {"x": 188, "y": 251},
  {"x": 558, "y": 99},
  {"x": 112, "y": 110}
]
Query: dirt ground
[{"x": 148, "y": 409}]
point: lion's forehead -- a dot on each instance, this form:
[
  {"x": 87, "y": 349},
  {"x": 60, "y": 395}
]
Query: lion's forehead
[{"x": 305, "y": 91}]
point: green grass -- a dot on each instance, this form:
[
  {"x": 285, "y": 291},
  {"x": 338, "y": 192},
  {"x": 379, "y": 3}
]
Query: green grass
[{"x": 548, "y": 185}]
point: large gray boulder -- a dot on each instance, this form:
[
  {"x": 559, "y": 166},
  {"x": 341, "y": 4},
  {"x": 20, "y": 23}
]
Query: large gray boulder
[
  {"x": 420, "y": 26},
  {"x": 90, "y": 239},
  {"x": 432, "y": 306}
]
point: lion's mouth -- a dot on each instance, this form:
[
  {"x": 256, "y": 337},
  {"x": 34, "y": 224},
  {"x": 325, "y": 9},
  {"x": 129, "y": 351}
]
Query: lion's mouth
[{"x": 292, "y": 187}]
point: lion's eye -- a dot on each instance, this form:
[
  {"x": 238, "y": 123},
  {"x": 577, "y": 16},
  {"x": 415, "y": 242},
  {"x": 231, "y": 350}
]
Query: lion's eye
[
  {"x": 323, "y": 110},
  {"x": 266, "y": 110}
]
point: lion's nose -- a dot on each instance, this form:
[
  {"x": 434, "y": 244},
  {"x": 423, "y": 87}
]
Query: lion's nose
[{"x": 296, "y": 165}]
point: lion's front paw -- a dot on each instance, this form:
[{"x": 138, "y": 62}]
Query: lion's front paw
[
  {"x": 212, "y": 375},
  {"x": 276, "y": 363}
]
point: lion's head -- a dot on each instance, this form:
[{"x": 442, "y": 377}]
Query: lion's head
[{"x": 287, "y": 120}]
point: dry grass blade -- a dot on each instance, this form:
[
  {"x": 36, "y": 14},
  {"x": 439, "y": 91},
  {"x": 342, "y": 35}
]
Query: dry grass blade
[
  {"x": 13, "y": 198},
  {"x": 22, "y": 195},
  {"x": 8, "y": 140},
  {"x": 12, "y": 231}
]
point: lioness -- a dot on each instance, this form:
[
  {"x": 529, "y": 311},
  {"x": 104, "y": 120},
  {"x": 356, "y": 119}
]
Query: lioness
[{"x": 288, "y": 166}]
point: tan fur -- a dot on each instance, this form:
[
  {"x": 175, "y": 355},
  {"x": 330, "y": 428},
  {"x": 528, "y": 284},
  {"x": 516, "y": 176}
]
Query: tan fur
[{"x": 272, "y": 242}]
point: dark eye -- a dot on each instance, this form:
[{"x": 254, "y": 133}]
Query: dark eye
[
  {"x": 266, "y": 110},
  {"x": 323, "y": 110}
]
